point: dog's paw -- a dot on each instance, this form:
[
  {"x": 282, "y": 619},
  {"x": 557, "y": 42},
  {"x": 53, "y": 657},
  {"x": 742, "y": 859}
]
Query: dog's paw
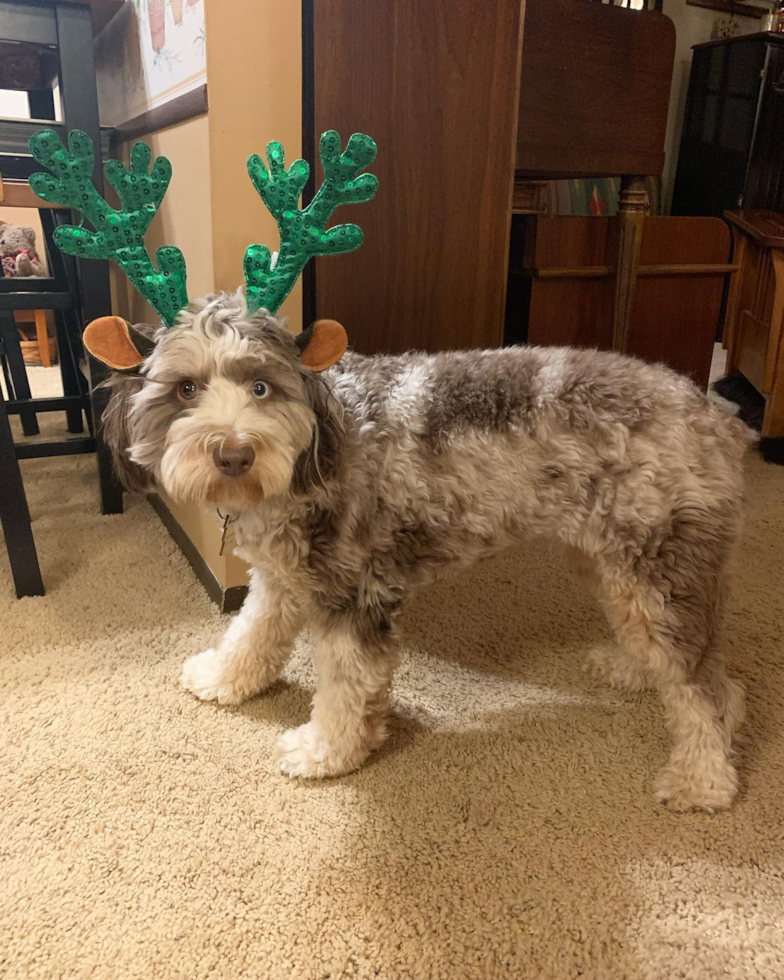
[
  {"x": 303, "y": 752},
  {"x": 204, "y": 675},
  {"x": 680, "y": 789},
  {"x": 616, "y": 669}
]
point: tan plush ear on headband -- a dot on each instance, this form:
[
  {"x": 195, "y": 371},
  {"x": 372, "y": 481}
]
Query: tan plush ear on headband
[
  {"x": 108, "y": 339},
  {"x": 325, "y": 343}
]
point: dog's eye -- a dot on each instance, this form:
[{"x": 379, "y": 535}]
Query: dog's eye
[
  {"x": 261, "y": 390},
  {"x": 187, "y": 390}
]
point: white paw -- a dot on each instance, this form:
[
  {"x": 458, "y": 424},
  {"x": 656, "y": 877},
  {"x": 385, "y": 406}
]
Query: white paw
[
  {"x": 303, "y": 752},
  {"x": 708, "y": 788},
  {"x": 204, "y": 675}
]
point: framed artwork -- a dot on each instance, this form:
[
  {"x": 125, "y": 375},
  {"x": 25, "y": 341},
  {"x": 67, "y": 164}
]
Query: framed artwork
[{"x": 151, "y": 59}]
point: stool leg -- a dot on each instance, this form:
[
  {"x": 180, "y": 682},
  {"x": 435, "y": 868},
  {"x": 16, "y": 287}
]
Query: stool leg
[
  {"x": 111, "y": 490},
  {"x": 9, "y": 385},
  {"x": 15, "y": 517},
  {"x": 773, "y": 422},
  {"x": 42, "y": 336},
  {"x": 69, "y": 369},
  {"x": 16, "y": 365}
]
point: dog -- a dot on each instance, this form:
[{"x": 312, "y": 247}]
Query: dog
[{"x": 353, "y": 486}]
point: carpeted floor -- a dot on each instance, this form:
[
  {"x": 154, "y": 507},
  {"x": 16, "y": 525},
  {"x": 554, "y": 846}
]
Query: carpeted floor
[{"x": 507, "y": 829}]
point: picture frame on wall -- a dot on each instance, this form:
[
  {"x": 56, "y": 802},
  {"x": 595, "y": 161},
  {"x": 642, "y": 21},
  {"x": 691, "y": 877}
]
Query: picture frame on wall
[{"x": 152, "y": 63}]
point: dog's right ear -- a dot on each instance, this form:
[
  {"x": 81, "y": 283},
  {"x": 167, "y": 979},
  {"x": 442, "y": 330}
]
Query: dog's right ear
[
  {"x": 117, "y": 344},
  {"x": 322, "y": 344}
]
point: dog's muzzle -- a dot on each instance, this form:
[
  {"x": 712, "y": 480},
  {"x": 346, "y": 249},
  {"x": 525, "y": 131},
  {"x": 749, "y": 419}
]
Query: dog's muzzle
[{"x": 233, "y": 460}]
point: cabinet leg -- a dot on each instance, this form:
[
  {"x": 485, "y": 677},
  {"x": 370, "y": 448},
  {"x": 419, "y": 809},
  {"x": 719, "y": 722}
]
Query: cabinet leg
[{"x": 632, "y": 208}]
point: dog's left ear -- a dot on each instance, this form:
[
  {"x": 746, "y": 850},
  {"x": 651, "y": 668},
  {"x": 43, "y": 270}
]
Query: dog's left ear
[
  {"x": 322, "y": 344},
  {"x": 116, "y": 343}
]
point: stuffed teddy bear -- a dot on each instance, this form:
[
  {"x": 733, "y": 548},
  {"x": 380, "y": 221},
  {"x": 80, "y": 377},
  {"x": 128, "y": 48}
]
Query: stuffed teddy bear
[{"x": 17, "y": 251}]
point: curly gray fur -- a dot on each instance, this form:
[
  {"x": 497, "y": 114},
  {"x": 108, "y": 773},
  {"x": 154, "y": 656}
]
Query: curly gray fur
[{"x": 386, "y": 471}]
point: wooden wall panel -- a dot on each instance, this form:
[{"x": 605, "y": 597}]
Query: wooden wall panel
[
  {"x": 436, "y": 84},
  {"x": 567, "y": 310},
  {"x": 595, "y": 89},
  {"x": 675, "y": 318},
  {"x": 571, "y": 313},
  {"x": 569, "y": 263}
]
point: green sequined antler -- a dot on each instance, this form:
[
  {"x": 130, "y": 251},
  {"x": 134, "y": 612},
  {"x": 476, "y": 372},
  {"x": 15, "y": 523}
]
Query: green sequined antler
[
  {"x": 117, "y": 235},
  {"x": 303, "y": 233}
]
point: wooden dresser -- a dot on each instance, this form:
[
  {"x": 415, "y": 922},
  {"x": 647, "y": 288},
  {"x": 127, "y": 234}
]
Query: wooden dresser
[{"x": 755, "y": 317}]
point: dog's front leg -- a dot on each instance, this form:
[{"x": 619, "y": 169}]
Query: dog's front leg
[
  {"x": 354, "y": 667},
  {"x": 253, "y": 650}
]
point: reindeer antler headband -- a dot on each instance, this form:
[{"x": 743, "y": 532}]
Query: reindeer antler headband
[{"x": 119, "y": 234}]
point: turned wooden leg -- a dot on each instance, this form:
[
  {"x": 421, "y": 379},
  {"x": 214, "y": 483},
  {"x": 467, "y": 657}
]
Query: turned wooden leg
[
  {"x": 773, "y": 422},
  {"x": 42, "y": 336},
  {"x": 733, "y": 299},
  {"x": 632, "y": 208}
]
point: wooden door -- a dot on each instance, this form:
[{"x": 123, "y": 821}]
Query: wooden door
[{"x": 436, "y": 84}]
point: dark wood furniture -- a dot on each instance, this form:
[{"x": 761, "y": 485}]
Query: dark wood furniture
[
  {"x": 469, "y": 111},
  {"x": 436, "y": 83},
  {"x": 564, "y": 267},
  {"x": 594, "y": 90},
  {"x": 754, "y": 337},
  {"x": 731, "y": 146},
  {"x": 15, "y": 517},
  {"x": 59, "y": 35}
]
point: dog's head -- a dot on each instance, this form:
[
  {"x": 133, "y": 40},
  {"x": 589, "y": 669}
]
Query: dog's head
[{"x": 226, "y": 408}]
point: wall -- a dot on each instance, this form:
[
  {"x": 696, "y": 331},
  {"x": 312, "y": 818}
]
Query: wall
[
  {"x": 183, "y": 220},
  {"x": 184, "y": 216},
  {"x": 693, "y": 25},
  {"x": 211, "y": 210},
  {"x": 254, "y": 80}
]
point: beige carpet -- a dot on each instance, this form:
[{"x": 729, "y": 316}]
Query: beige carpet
[{"x": 506, "y": 830}]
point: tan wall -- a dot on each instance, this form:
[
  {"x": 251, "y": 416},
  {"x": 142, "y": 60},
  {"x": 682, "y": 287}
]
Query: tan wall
[
  {"x": 254, "y": 79},
  {"x": 184, "y": 216},
  {"x": 211, "y": 210}
]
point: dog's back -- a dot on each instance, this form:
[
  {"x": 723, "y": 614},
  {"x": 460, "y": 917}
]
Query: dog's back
[{"x": 537, "y": 391}]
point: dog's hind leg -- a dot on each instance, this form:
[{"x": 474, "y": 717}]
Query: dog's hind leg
[
  {"x": 253, "y": 649},
  {"x": 666, "y": 614},
  {"x": 618, "y": 669},
  {"x": 354, "y": 667},
  {"x": 615, "y": 667}
]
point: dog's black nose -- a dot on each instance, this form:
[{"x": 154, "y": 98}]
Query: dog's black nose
[{"x": 233, "y": 460}]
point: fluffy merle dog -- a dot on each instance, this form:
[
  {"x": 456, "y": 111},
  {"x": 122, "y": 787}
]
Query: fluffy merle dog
[{"x": 354, "y": 485}]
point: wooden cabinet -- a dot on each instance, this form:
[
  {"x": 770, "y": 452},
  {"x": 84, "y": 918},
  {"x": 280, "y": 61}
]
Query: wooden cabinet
[
  {"x": 755, "y": 317},
  {"x": 462, "y": 98},
  {"x": 436, "y": 84},
  {"x": 731, "y": 147}
]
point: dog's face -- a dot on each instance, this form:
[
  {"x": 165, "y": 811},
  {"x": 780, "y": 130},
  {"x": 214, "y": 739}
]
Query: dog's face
[{"x": 223, "y": 412}]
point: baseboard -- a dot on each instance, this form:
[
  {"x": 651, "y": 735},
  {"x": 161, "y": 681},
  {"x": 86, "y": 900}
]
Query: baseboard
[{"x": 227, "y": 600}]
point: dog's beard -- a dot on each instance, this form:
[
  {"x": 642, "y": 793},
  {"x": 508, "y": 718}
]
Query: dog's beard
[
  {"x": 186, "y": 471},
  {"x": 188, "y": 474}
]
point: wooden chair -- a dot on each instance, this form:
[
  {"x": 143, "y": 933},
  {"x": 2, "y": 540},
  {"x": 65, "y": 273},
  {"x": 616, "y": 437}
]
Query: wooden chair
[{"x": 15, "y": 516}]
